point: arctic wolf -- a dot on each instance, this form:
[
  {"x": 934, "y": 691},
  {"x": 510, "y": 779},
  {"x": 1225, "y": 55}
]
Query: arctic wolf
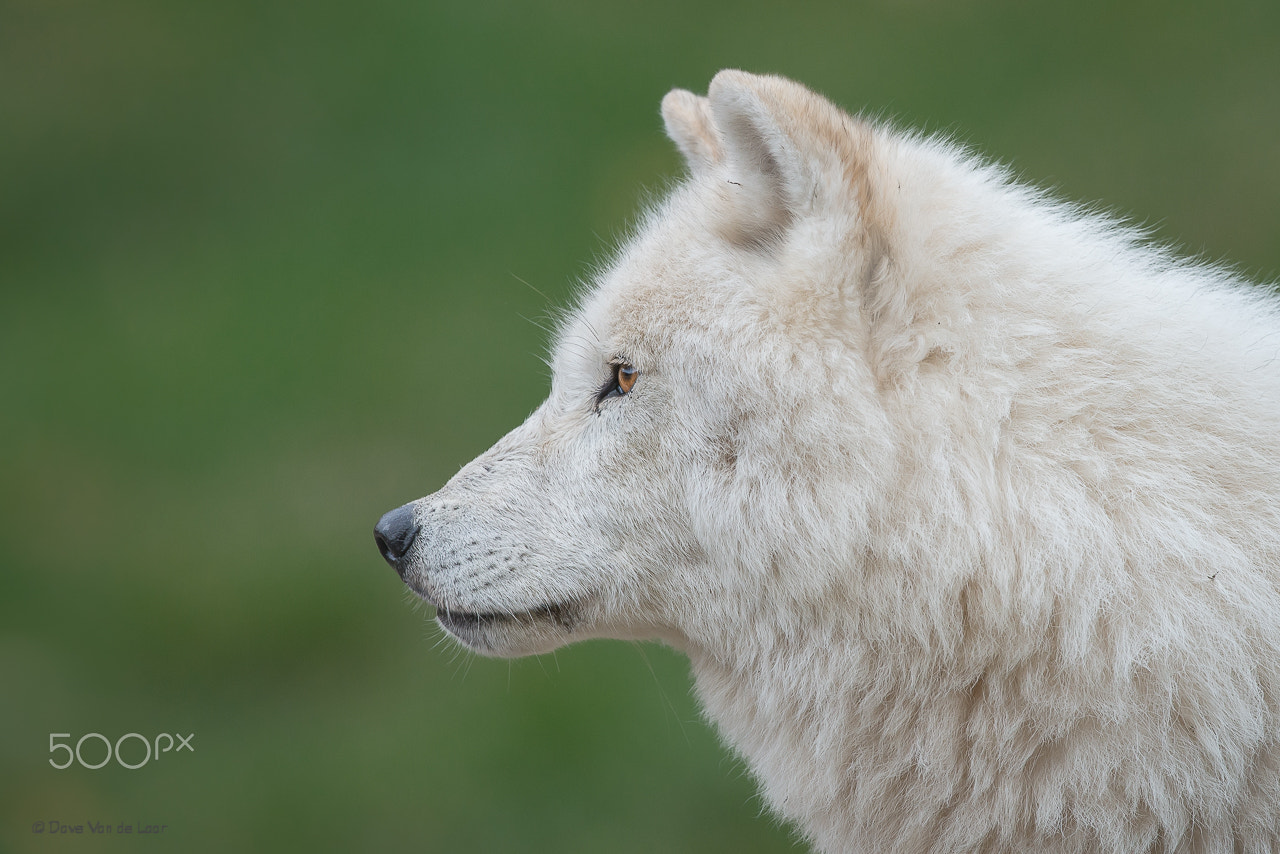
[{"x": 964, "y": 505}]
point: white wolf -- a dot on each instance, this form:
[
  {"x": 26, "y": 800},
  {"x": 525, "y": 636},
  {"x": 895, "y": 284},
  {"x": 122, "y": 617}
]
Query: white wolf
[{"x": 964, "y": 505}]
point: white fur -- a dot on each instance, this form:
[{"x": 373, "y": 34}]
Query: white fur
[{"x": 964, "y": 504}]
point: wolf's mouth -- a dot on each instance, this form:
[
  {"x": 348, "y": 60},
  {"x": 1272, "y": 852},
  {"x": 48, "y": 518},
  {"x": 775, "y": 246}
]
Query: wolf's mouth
[{"x": 466, "y": 623}]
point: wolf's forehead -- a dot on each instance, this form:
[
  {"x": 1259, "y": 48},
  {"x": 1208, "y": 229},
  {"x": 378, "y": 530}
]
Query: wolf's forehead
[{"x": 647, "y": 305}]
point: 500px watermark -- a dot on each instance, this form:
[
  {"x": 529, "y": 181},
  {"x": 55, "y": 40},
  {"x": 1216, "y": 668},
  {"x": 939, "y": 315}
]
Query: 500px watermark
[{"x": 175, "y": 742}]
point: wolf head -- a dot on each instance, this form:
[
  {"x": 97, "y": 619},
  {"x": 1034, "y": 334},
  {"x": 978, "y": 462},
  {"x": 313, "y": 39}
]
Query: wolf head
[
  {"x": 963, "y": 505},
  {"x": 715, "y": 442}
]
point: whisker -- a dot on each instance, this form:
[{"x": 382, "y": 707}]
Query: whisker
[{"x": 526, "y": 283}]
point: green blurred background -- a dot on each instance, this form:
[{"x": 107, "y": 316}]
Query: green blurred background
[{"x": 260, "y": 272}]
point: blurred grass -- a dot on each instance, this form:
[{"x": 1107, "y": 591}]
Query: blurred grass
[{"x": 258, "y": 284}]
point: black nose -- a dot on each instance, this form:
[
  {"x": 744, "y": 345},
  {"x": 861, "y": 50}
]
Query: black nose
[{"x": 394, "y": 534}]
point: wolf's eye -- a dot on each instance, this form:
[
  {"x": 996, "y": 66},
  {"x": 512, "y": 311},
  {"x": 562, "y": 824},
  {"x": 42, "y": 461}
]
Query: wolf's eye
[
  {"x": 624, "y": 377},
  {"x": 623, "y": 380}
]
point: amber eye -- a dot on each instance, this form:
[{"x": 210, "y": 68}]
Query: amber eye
[
  {"x": 625, "y": 376},
  {"x": 621, "y": 382}
]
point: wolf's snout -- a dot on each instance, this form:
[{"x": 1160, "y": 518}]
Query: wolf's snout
[{"x": 394, "y": 534}]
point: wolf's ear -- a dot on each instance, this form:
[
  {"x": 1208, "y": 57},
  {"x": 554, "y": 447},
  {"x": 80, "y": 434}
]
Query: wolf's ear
[
  {"x": 688, "y": 121},
  {"x": 722, "y": 138},
  {"x": 770, "y": 150},
  {"x": 777, "y": 142}
]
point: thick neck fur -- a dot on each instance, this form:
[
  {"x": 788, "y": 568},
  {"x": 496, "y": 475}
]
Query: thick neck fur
[{"x": 874, "y": 737}]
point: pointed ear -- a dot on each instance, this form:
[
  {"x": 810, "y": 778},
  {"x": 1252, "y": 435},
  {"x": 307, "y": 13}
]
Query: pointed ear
[
  {"x": 688, "y": 121},
  {"x": 770, "y": 150},
  {"x": 779, "y": 140}
]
